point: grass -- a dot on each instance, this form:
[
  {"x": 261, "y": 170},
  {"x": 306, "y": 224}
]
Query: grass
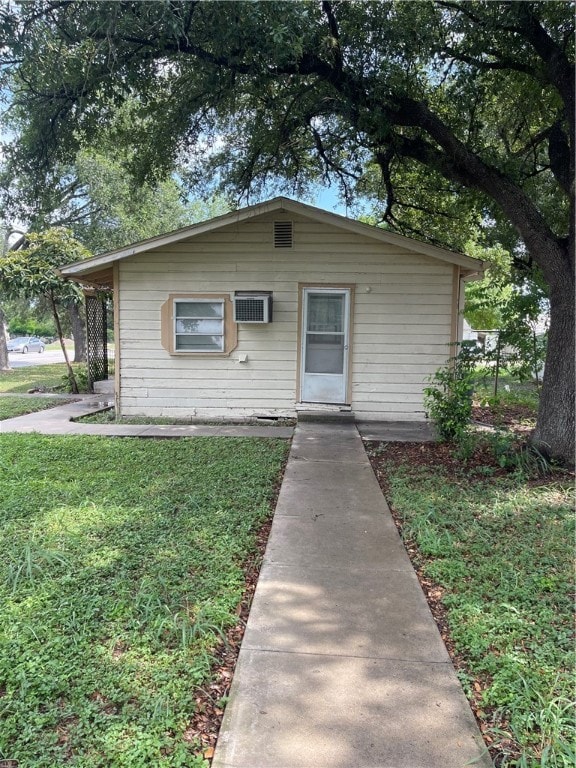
[
  {"x": 18, "y": 406},
  {"x": 122, "y": 566},
  {"x": 510, "y": 391},
  {"x": 34, "y": 377},
  {"x": 501, "y": 550}
]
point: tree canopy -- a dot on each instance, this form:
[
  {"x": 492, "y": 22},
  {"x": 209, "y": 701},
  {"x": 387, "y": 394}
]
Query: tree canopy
[
  {"x": 443, "y": 111},
  {"x": 95, "y": 197},
  {"x": 32, "y": 272}
]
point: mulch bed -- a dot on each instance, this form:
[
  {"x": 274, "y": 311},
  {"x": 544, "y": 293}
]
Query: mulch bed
[{"x": 518, "y": 417}]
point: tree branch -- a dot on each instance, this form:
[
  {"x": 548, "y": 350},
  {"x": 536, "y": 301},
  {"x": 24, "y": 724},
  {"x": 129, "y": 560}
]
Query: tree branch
[
  {"x": 559, "y": 69},
  {"x": 384, "y": 160},
  {"x": 501, "y": 64},
  {"x": 334, "y": 32}
]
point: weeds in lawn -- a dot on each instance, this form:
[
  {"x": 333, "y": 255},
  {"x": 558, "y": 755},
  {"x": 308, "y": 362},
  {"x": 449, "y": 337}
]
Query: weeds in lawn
[
  {"x": 511, "y": 392},
  {"x": 122, "y": 570},
  {"x": 10, "y": 407},
  {"x": 30, "y": 564},
  {"x": 508, "y": 451},
  {"x": 42, "y": 377},
  {"x": 550, "y": 716},
  {"x": 501, "y": 551}
]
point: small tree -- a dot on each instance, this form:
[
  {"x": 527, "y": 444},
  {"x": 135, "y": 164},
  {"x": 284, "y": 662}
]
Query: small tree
[
  {"x": 32, "y": 271},
  {"x": 448, "y": 398}
]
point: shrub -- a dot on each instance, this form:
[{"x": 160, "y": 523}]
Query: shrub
[
  {"x": 82, "y": 381},
  {"x": 448, "y": 399}
]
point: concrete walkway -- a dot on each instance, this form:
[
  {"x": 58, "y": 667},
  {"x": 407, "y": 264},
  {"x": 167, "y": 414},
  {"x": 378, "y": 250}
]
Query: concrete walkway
[
  {"x": 57, "y": 421},
  {"x": 342, "y": 665}
]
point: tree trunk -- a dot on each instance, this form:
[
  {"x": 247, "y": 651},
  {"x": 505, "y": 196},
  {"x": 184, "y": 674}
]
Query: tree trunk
[
  {"x": 554, "y": 434},
  {"x": 78, "y": 333},
  {"x": 4, "y": 360},
  {"x": 71, "y": 377}
]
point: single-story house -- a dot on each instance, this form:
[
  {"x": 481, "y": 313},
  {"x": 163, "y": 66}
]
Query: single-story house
[{"x": 277, "y": 307}]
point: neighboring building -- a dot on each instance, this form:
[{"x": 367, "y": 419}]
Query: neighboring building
[
  {"x": 468, "y": 333},
  {"x": 348, "y": 316}
]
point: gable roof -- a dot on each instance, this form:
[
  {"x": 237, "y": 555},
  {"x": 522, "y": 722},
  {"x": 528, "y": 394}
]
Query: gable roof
[{"x": 98, "y": 264}]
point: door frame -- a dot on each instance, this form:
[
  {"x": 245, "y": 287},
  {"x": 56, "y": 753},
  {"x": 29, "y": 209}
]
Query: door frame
[{"x": 350, "y": 287}]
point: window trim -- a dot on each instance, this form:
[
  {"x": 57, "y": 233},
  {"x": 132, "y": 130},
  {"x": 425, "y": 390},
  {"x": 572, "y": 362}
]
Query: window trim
[{"x": 168, "y": 324}]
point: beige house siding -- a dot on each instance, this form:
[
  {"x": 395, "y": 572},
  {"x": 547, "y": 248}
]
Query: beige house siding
[{"x": 403, "y": 320}]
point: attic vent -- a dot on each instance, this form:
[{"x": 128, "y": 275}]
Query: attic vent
[
  {"x": 282, "y": 234},
  {"x": 253, "y": 307}
]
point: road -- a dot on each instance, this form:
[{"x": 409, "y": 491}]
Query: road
[{"x": 18, "y": 360}]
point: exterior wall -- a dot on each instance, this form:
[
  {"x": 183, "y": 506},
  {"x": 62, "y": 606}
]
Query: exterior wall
[{"x": 402, "y": 321}]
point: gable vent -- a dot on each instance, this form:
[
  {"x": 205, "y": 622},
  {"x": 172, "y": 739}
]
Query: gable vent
[{"x": 282, "y": 234}]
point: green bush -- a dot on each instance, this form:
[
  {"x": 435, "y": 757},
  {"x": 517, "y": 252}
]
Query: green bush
[
  {"x": 448, "y": 399},
  {"x": 82, "y": 381},
  {"x": 30, "y": 327}
]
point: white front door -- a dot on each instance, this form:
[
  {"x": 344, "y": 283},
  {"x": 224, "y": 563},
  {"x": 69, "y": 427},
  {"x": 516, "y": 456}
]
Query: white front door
[{"x": 324, "y": 355}]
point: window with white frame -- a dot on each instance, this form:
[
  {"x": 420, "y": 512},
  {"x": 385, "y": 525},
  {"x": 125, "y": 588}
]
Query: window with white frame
[{"x": 199, "y": 325}]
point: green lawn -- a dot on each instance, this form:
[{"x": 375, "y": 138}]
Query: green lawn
[
  {"x": 122, "y": 564},
  {"x": 18, "y": 406},
  {"x": 501, "y": 551},
  {"x": 509, "y": 391},
  {"x": 34, "y": 376}
]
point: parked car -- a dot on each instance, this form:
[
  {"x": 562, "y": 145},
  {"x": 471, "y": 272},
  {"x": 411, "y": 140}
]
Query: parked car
[{"x": 26, "y": 344}]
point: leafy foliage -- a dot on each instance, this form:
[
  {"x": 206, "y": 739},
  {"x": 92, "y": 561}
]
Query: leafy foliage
[
  {"x": 276, "y": 92},
  {"x": 27, "y": 317},
  {"x": 32, "y": 272},
  {"x": 448, "y": 399},
  {"x": 513, "y": 302},
  {"x": 122, "y": 212},
  {"x": 118, "y": 578}
]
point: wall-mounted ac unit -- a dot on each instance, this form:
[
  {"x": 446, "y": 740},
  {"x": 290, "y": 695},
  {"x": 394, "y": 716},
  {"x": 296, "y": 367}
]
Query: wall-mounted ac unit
[{"x": 253, "y": 307}]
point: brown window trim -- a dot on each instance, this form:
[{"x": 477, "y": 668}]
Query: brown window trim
[{"x": 167, "y": 324}]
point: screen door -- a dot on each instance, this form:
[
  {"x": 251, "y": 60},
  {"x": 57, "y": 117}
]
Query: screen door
[{"x": 325, "y": 333}]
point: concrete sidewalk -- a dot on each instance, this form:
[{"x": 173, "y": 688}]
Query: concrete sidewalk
[
  {"x": 342, "y": 665},
  {"x": 58, "y": 421}
]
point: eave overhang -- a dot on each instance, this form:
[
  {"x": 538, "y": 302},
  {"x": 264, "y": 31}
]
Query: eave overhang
[{"x": 98, "y": 269}]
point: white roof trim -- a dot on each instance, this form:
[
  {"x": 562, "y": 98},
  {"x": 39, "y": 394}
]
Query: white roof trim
[{"x": 276, "y": 204}]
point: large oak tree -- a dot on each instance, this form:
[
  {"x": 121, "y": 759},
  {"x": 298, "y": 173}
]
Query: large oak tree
[{"x": 475, "y": 99}]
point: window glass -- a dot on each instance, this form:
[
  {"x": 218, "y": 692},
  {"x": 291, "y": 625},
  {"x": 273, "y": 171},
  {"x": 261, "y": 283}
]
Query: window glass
[
  {"x": 199, "y": 343},
  {"x": 199, "y": 309},
  {"x": 199, "y": 326},
  {"x": 325, "y": 313},
  {"x": 324, "y": 353},
  {"x": 189, "y": 325}
]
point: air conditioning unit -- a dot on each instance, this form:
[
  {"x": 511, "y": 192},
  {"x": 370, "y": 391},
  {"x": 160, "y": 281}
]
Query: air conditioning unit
[{"x": 253, "y": 307}]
